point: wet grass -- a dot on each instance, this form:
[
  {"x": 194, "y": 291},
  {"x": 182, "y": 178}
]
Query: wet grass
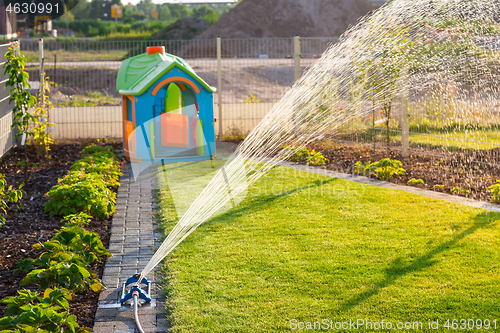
[{"x": 308, "y": 247}]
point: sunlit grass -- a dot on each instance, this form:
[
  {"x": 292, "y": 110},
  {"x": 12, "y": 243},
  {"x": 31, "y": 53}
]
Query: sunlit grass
[{"x": 308, "y": 247}]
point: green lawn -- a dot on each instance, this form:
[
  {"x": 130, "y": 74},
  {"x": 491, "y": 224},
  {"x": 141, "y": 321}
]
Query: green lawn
[{"x": 308, "y": 247}]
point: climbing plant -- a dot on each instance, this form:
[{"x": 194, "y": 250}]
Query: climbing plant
[
  {"x": 42, "y": 140},
  {"x": 20, "y": 98}
]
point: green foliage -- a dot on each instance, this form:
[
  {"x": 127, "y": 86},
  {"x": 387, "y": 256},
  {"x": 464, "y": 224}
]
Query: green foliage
[
  {"x": 79, "y": 220},
  {"x": 107, "y": 167},
  {"x": 42, "y": 140},
  {"x": 68, "y": 275},
  {"x": 438, "y": 186},
  {"x": 381, "y": 71},
  {"x": 20, "y": 98},
  {"x": 309, "y": 157},
  {"x": 81, "y": 192},
  {"x": 7, "y": 195},
  {"x": 383, "y": 169},
  {"x": 414, "y": 181},
  {"x": 100, "y": 151},
  {"x": 36, "y": 312},
  {"x": 252, "y": 99},
  {"x": 495, "y": 192},
  {"x": 458, "y": 190}
]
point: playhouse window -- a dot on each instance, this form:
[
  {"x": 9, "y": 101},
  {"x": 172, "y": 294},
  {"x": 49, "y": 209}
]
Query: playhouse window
[{"x": 129, "y": 109}]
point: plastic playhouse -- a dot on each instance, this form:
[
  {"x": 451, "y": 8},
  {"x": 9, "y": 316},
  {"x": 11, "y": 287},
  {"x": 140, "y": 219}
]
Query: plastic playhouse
[{"x": 168, "y": 112}]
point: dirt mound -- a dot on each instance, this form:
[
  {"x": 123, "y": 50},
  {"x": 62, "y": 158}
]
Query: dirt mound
[
  {"x": 286, "y": 18},
  {"x": 185, "y": 28}
]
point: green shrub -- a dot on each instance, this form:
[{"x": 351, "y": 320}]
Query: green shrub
[
  {"x": 495, "y": 192},
  {"x": 414, "y": 181},
  {"x": 79, "y": 220},
  {"x": 458, "y": 190},
  {"x": 80, "y": 192},
  {"x": 7, "y": 195},
  {"x": 107, "y": 167},
  {"x": 36, "y": 312},
  {"x": 383, "y": 169},
  {"x": 310, "y": 157},
  {"x": 438, "y": 186},
  {"x": 94, "y": 149},
  {"x": 65, "y": 274}
]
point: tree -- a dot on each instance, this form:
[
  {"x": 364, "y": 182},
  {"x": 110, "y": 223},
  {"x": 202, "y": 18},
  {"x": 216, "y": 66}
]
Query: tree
[{"x": 388, "y": 53}]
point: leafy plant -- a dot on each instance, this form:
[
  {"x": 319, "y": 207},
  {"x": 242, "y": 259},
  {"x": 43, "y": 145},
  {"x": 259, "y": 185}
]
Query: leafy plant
[
  {"x": 67, "y": 275},
  {"x": 36, "y": 312},
  {"x": 73, "y": 245},
  {"x": 310, "y": 157},
  {"x": 79, "y": 220},
  {"x": 81, "y": 192},
  {"x": 7, "y": 195},
  {"x": 383, "y": 169},
  {"x": 495, "y": 192},
  {"x": 107, "y": 167},
  {"x": 42, "y": 140},
  {"x": 458, "y": 190},
  {"x": 381, "y": 69},
  {"x": 252, "y": 99},
  {"x": 94, "y": 149},
  {"x": 414, "y": 181},
  {"x": 20, "y": 98},
  {"x": 438, "y": 186}
]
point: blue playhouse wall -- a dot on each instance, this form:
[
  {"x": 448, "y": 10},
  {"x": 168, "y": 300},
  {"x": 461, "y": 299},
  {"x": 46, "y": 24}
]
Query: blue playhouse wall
[{"x": 147, "y": 111}]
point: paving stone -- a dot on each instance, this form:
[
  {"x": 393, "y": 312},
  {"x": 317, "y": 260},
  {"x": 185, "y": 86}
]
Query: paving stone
[{"x": 132, "y": 243}]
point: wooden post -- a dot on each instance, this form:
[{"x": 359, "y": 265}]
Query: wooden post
[
  {"x": 219, "y": 85},
  {"x": 404, "y": 114},
  {"x": 296, "y": 57},
  {"x": 297, "y": 74}
]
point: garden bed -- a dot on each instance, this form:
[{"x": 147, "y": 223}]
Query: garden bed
[
  {"x": 457, "y": 171},
  {"x": 27, "y": 224}
]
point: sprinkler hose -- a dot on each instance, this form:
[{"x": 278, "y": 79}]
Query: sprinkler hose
[{"x": 136, "y": 314}]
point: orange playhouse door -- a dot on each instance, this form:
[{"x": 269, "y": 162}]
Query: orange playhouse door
[
  {"x": 129, "y": 137},
  {"x": 174, "y": 130}
]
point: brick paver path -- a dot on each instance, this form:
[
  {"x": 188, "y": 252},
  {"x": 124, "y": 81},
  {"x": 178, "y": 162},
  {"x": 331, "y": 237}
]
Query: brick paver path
[{"x": 132, "y": 243}]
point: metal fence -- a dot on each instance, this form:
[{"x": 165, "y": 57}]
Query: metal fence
[
  {"x": 254, "y": 74},
  {"x": 6, "y": 136}
]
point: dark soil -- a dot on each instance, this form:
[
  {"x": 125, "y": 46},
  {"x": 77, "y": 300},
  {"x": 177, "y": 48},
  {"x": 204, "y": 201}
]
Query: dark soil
[
  {"x": 27, "y": 224},
  {"x": 473, "y": 172}
]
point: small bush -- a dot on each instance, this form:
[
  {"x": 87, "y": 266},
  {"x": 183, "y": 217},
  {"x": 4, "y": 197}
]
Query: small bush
[
  {"x": 310, "y": 157},
  {"x": 94, "y": 149},
  {"x": 458, "y": 190},
  {"x": 107, "y": 167},
  {"x": 80, "y": 192},
  {"x": 414, "y": 181},
  {"x": 495, "y": 192},
  {"x": 30, "y": 311},
  {"x": 78, "y": 220},
  {"x": 7, "y": 195},
  {"x": 438, "y": 186},
  {"x": 383, "y": 169}
]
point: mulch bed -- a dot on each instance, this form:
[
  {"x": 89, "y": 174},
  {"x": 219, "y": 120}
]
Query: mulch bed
[
  {"x": 456, "y": 170},
  {"x": 27, "y": 224}
]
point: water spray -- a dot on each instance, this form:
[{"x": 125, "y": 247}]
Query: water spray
[{"x": 405, "y": 46}]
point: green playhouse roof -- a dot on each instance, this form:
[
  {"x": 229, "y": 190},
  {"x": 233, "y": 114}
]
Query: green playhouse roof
[{"x": 138, "y": 73}]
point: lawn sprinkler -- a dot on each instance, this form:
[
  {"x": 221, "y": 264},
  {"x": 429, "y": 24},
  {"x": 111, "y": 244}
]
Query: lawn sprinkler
[
  {"x": 135, "y": 290},
  {"x": 136, "y": 293}
]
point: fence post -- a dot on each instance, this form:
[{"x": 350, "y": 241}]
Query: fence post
[
  {"x": 219, "y": 85},
  {"x": 296, "y": 57},
  {"x": 297, "y": 72},
  {"x": 40, "y": 51},
  {"x": 404, "y": 114}
]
